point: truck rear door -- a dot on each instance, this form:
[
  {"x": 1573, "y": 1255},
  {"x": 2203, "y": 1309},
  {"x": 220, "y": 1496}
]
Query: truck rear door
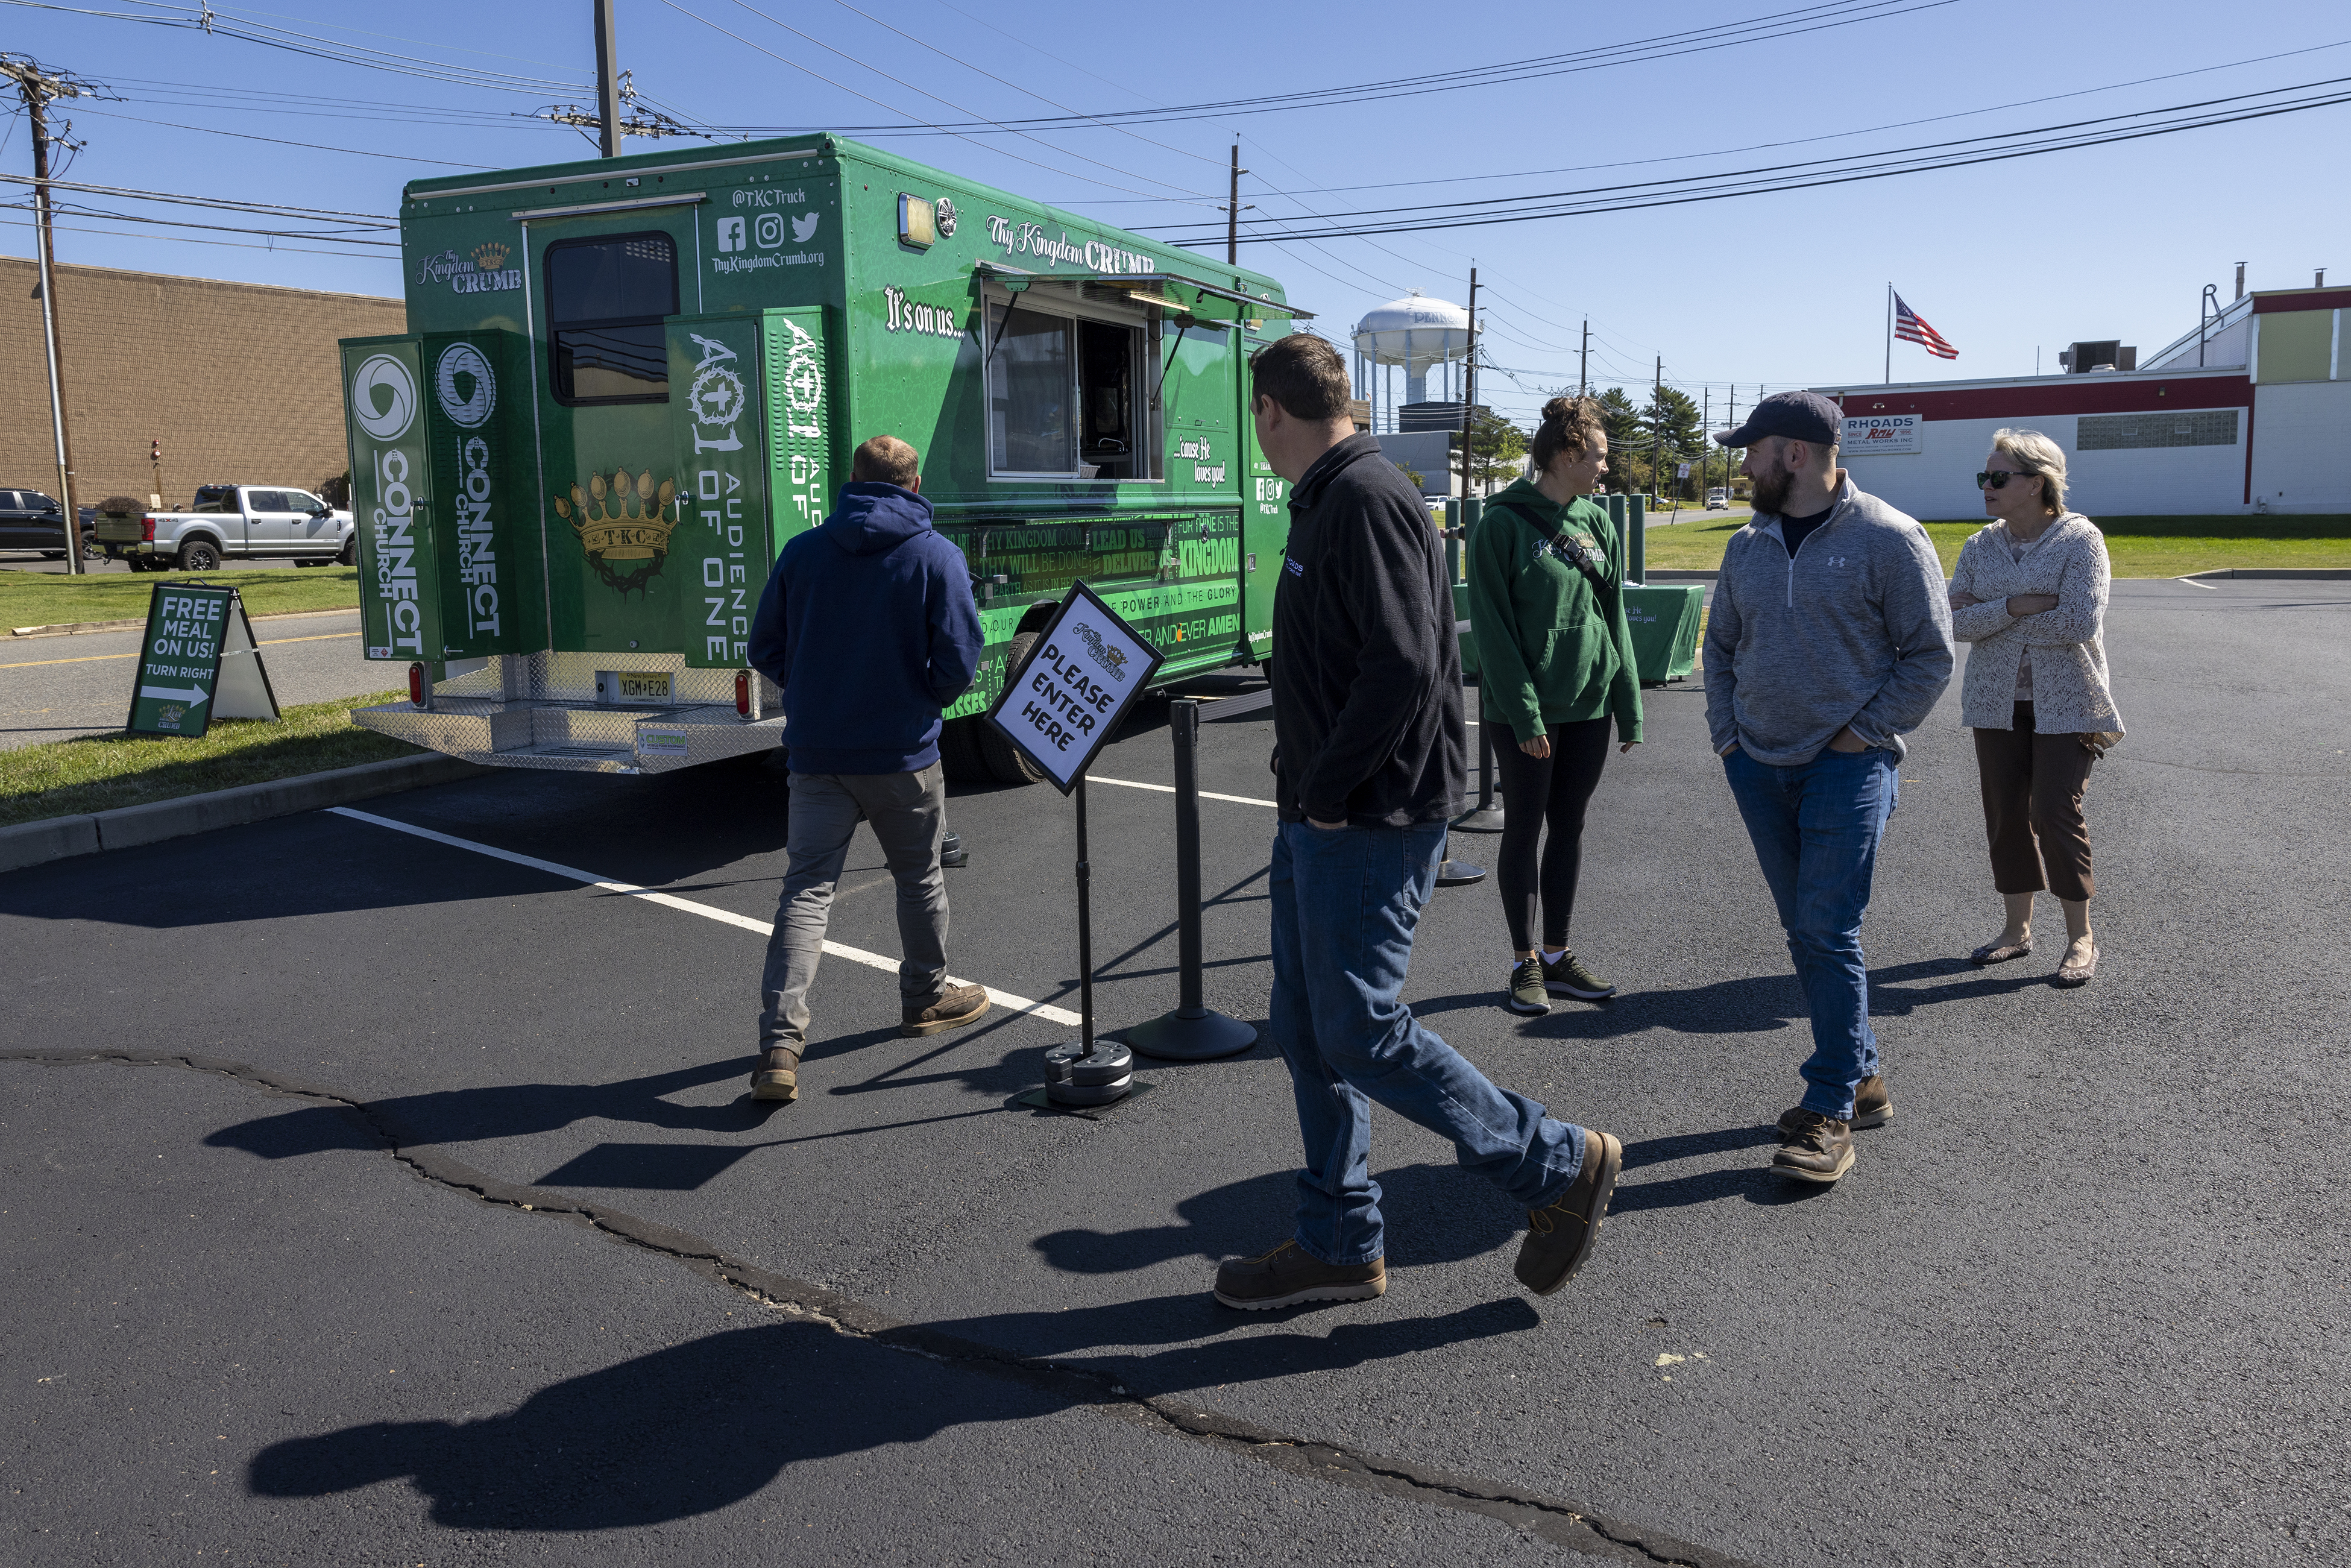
[{"x": 270, "y": 522}]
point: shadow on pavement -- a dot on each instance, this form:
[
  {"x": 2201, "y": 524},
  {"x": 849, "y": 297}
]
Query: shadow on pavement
[{"x": 683, "y": 1431}]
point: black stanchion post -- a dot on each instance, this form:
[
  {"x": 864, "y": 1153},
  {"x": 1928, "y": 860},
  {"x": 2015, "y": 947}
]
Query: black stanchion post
[
  {"x": 1194, "y": 1031},
  {"x": 1083, "y": 1073},
  {"x": 1485, "y": 816}
]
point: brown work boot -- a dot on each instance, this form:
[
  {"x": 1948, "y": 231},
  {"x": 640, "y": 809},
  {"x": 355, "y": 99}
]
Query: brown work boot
[
  {"x": 951, "y": 1009},
  {"x": 777, "y": 1076},
  {"x": 1289, "y": 1276},
  {"x": 1813, "y": 1147},
  {"x": 1560, "y": 1237},
  {"x": 1872, "y": 1105}
]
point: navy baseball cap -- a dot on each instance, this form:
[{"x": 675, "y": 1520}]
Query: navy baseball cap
[{"x": 1805, "y": 415}]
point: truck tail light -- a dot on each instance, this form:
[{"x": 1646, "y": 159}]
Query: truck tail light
[
  {"x": 416, "y": 684},
  {"x": 146, "y": 531},
  {"x": 742, "y": 694}
]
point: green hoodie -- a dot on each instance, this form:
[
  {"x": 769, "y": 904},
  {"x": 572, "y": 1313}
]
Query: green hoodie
[{"x": 1551, "y": 650}]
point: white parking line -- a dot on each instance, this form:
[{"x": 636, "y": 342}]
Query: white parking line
[
  {"x": 2191, "y": 582},
  {"x": 1045, "y": 1010},
  {"x": 1170, "y": 789}
]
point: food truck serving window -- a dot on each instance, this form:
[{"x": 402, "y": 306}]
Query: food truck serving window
[
  {"x": 606, "y": 299},
  {"x": 1067, "y": 389}
]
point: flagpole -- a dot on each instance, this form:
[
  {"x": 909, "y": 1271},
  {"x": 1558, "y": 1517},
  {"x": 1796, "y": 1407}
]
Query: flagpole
[{"x": 1890, "y": 334}]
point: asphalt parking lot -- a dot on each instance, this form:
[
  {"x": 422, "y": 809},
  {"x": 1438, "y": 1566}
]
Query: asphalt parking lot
[{"x": 278, "y": 1096}]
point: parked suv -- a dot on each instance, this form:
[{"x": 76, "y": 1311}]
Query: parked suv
[
  {"x": 230, "y": 522},
  {"x": 32, "y": 520}
]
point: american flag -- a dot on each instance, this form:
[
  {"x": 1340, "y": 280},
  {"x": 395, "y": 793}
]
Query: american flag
[{"x": 1911, "y": 329}]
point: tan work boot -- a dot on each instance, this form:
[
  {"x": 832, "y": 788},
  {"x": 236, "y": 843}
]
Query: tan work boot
[
  {"x": 1872, "y": 1105},
  {"x": 951, "y": 1009},
  {"x": 777, "y": 1076}
]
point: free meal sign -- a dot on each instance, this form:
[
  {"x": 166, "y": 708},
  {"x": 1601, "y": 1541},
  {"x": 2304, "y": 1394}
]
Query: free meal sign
[
  {"x": 197, "y": 663},
  {"x": 1087, "y": 669}
]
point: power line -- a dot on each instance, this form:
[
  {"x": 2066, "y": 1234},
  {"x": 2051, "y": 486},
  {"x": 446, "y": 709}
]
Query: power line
[
  {"x": 229, "y": 204},
  {"x": 189, "y": 239},
  {"x": 282, "y": 141},
  {"x": 1961, "y": 153}
]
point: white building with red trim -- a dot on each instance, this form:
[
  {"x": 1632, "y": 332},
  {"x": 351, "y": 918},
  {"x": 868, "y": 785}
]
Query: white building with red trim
[{"x": 2251, "y": 414}]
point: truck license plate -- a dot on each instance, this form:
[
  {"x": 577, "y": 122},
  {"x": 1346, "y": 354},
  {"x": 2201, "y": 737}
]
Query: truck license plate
[{"x": 633, "y": 685}]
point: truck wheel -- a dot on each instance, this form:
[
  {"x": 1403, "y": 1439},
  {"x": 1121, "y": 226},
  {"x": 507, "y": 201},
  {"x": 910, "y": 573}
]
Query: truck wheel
[
  {"x": 960, "y": 754},
  {"x": 1007, "y": 763},
  {"x": 350, "y": 555},
  {"x": 200, "y": 555}
]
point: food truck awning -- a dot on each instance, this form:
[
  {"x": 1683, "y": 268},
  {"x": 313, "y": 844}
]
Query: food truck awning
[{"x": 1172, "y": 292}]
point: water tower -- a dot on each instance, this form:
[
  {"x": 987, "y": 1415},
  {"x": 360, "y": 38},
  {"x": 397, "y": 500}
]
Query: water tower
[{"x": 1420, "y": 334}]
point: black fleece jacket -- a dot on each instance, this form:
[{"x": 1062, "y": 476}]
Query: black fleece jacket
[{"x": 1366, "y": 669}]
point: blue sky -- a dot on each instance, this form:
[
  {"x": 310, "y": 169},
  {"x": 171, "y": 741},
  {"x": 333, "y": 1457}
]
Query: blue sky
[{"x": 1786, "y": 288}]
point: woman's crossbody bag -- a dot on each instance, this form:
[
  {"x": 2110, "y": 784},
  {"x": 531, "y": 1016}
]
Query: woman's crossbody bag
[{"x": 1566, "y": 547}]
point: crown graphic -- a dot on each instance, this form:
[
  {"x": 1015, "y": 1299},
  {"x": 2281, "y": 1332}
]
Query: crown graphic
[
  {"x": 623, "y": 523},
  {"x": 490, "y": 257}
]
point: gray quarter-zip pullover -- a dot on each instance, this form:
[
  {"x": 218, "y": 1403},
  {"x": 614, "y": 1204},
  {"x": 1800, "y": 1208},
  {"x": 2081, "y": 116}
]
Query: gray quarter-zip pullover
[{"x": 1853, "y": 629}]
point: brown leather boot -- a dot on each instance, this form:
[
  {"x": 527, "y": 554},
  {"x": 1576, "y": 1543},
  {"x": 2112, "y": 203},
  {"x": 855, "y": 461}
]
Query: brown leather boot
[
  {"x": 777, "y": 1076},
  {"x": 951, "y": 1009},
  {"x": 1560, "y": 1237},
  {"x": 1289, "y": 1276},
  {"x": 1872, "y": 1105}
]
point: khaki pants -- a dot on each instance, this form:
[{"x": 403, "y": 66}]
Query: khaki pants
[{"x": 2033, "y": 789}]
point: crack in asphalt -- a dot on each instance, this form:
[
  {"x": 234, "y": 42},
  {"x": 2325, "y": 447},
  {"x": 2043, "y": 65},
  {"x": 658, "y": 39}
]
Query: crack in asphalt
[{"x": 1554, "y": 1520}]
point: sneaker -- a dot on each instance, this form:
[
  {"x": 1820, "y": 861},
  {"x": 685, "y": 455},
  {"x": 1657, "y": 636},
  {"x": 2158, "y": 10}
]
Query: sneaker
[
  {"x": 1561, "y": 1237},
  {"x": 1813, "y": 1147},
  {"x": 951, "y": 1009},
  {"x": 1568, "y": 976},
  {"x": 777, "y": 1076},
  {"x": 1873, "y": 1106},
  {"x": 1289, "y": 1276},
  {"x": 1528, "y": 994}
]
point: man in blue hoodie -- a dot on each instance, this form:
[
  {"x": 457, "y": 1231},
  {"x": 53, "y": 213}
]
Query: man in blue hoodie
[{"x": 868, "y": 627}]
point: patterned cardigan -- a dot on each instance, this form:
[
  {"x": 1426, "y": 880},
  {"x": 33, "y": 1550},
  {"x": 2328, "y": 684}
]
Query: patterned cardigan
[{"x": 2070, "y": 694}]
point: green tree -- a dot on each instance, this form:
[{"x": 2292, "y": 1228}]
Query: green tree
[
  {"x": 1671, "y": 429},
  {"x": 1497, "y": 450}
]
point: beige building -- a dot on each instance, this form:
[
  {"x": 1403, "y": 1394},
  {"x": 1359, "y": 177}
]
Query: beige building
[{"x": 238, "y": 380}]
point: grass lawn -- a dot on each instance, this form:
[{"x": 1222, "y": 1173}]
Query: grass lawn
[
  {"x": 97, "y": 773},
  {"x": 51, "y": 598},
  {"x": 2138, "y": 547}
]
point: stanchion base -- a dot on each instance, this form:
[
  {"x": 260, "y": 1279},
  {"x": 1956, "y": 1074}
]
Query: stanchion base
[
  {"x": 1458, "y": 873},
  {"x": 1075, "y": 1078},
  {"x": 1038, "y": 1100},
  {"x": 1199, "y": 1035},
  {"x": 952, "y": 854},
  {"x": 1486, "y": 821}
]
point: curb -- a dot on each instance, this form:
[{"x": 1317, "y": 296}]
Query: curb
[
  {"x": 76, "y": 628},
  {"x": 126, "y": 827},
  {"x": 2281, "y": 573}
]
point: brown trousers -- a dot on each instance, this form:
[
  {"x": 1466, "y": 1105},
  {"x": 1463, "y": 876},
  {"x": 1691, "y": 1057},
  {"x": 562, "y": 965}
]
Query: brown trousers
[{"x": 2033, "y": 788}]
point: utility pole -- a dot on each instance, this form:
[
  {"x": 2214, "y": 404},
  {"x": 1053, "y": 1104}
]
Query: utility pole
[
  {"x": 37, "y": 86},
  {"x": 1233, "y": 210},
  {"x": 1657, "y": 427},
  {"x": 608, "y": 82},
  {"x": 1583, "y": 362},
  {"x": 1469, "y": 393},
  {"x": 1706, "y": 439}
]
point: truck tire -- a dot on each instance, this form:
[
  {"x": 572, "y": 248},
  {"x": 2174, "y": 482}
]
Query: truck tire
[
  {"x": 350, "y": 552},
  {"x": 200, "y": 555},
  {"x": 959, "y": 756},
  {"x": 1007, "y": 763}
]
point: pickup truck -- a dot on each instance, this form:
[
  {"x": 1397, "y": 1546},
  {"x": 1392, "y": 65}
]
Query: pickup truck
[{"x": 232, "y": 521}]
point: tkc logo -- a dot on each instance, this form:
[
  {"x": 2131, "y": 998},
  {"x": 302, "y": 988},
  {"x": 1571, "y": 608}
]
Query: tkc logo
[{"x": 730, "y": 235}]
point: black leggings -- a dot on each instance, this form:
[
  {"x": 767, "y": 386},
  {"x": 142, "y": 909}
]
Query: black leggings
[{"x": 1539, "y": 790}]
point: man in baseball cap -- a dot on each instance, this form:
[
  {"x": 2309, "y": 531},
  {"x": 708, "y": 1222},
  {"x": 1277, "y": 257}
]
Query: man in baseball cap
[{"x": 1828, "y": 640}]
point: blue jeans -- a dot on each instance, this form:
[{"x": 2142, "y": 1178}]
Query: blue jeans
[
  {"x": 1816, "y": 830},
  {"x": 1345, "y": 901}
]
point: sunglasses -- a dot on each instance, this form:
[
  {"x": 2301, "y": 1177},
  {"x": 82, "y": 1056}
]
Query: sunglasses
[{"x": 1998, "y": 479}]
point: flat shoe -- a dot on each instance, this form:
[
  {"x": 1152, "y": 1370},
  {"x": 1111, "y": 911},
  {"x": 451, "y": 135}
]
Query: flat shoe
[
  {"x": 1992, "y": 953},
  {"x": 2072, "y": 975}
]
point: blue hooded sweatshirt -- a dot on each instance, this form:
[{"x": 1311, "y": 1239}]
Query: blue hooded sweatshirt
[{"x": 869, "y": 626}]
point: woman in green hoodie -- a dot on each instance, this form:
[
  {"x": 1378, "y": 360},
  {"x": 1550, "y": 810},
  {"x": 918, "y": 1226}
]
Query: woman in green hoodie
[{"x": 1555, "y": 664}]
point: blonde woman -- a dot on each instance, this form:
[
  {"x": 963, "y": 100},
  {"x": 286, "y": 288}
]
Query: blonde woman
[{"x": 2030, "y": 596}]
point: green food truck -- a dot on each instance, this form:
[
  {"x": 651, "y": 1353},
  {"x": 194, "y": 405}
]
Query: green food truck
[{"x": 628, "y": 382}]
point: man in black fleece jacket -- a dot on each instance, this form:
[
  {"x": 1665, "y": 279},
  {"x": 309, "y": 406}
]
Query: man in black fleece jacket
[{"x": 1369, "y": 756}]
